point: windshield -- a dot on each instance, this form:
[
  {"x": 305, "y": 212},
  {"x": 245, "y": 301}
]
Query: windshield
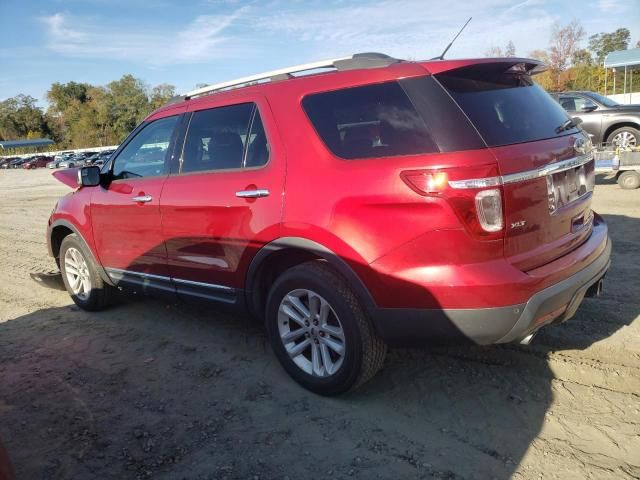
[{"x": 607, "y": 102}]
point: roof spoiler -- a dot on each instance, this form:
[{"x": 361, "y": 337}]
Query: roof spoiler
[{"x": 530, "y": 66}]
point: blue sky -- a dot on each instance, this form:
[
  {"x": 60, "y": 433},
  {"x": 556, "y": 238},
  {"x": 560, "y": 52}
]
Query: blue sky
[{"x": 204, "y": 41}]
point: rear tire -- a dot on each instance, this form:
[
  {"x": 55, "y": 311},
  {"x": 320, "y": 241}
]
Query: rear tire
[
  {"x": 81, "y": 278},
  {"x": 624, "y": 137},
  {"x": 342, "y": 349},
  {"x": 629, "y": 180}
]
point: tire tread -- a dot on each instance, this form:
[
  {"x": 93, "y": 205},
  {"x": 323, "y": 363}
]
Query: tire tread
[{"x": 374, "y": 349}]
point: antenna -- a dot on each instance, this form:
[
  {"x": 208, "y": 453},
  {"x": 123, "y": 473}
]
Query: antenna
[{"x": 441, "y": 57}]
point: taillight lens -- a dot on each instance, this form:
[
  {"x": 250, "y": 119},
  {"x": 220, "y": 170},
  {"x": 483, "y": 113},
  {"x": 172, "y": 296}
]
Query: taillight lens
[
  {"x": 489, "y": 209},
  {"x": 474, "y": 193},
  {"x": 424, "y": 182}
]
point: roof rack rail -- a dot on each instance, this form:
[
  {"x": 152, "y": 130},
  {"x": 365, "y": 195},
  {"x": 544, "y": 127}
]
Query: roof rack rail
[{"x": 356, "y": 61}]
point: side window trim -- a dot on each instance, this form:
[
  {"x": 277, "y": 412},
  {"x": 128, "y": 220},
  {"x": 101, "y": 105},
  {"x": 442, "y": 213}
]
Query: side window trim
[
  {"x": 185, "y": 131},
  {"x": 243, "y": 165}
]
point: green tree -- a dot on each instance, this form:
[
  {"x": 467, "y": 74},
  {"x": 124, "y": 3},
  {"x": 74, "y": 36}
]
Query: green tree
[
  {"x": 20, "y": 117},
  {"x": 129, "y": 104},
  {"x": 601, "y": 44},
  {"x": 582, "y": 57},
  {"x": 61, "y": 95},
  {"x": 161, "y": 94}
]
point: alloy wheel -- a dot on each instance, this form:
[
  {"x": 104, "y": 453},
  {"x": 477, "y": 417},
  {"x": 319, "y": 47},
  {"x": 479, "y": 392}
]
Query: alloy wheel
[
  {"x": 311, "y": 333},
  {"x": 624, "y": 139},
  {"x": 77, "y": 272}
]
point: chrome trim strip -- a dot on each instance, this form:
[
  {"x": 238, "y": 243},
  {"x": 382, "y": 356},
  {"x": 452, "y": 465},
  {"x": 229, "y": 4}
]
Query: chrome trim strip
[
  {"x": 136, "y": 274},
  {"x": 204, "y": 285},
  {"x": 522, "y": 176},
  {"x": 168, "y": 279}
]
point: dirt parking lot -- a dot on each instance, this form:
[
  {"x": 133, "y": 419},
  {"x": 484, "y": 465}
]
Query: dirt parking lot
[{"x": 153, "y": 389}]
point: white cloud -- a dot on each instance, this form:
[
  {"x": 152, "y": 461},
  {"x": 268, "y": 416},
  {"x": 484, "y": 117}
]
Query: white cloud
[
  {"x": 201, "y": 40},
  {"x": 613, "y": 6},
  {"x": 413, "y": 28}
]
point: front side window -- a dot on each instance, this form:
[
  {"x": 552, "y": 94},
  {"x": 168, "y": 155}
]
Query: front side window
[
  {"x": 145, "y": 154},
  {"x": 225, "y": 138}
]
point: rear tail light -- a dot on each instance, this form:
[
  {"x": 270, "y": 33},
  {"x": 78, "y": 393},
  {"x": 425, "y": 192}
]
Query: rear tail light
[
  {"x": 489, "y": 208},
  {"x": 475, "y": 194},
  {"x": 424, "y": 182}
]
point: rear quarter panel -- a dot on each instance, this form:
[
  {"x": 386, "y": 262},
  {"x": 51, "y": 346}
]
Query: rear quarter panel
[{"x": 359, "y": 209}]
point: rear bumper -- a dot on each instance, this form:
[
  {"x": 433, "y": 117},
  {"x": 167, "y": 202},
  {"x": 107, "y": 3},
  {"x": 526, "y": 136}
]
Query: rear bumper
[{"x": 484, "y": 326}]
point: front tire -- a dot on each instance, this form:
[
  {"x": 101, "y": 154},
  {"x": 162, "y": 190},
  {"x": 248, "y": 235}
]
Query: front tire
[
  {"x": 319, "y": 332},
  {"x": 81, "y": 278}
]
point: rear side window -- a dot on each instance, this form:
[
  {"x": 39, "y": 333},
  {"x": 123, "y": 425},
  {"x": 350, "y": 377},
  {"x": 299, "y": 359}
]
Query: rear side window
[
  {"x": 370, "y": 121},
  {"x": 216, "y": 138},
  {"x": 225, "y": 138},
  {"x": 506, "y": 107}
]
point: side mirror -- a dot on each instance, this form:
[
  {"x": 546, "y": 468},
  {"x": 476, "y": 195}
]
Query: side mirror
[
  {"x": 588, "y": 108},
  {"x": 576, "y": 120},
  {"x": 89, "y": 176}
]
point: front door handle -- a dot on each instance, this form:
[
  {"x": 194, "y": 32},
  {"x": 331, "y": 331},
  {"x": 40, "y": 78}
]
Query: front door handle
[
  {"x": 142, "y": 198},
  {"x": 258, "y": 193}
]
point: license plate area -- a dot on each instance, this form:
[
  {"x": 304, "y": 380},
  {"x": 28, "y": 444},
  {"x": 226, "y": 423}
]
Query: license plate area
[{"x": 569, "y": 185}]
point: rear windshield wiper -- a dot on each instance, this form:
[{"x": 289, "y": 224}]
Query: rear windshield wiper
[{"x": 568, "y": 125}]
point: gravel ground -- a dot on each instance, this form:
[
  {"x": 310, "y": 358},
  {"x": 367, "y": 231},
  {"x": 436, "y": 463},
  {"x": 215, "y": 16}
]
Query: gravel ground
[{"x": 151, "y": 389}]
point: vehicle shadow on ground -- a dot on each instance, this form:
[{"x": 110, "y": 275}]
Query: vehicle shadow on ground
[
  {"x": 606, "y": 179},
  {"x": 154, "y": 389}
]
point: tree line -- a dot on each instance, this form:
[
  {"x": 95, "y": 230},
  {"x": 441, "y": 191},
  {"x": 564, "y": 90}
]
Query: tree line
[
  {"x": 571, "y": 67},
  {"x": 83, "y": 115}
]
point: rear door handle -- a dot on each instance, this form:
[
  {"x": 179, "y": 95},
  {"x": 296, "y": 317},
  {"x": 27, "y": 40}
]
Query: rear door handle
[
  {"x": 258, "y": 193},
  {"x": 142, "y": 198}
]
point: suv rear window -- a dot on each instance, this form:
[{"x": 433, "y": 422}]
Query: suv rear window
[
  {"x": 371, "y": 121},
  {"x": 404, "y": 117},
  {"x": 506, "y": 107}
]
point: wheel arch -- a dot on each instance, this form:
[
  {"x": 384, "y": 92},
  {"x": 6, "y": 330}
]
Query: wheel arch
[
  {"x": 617, "y": 125},
  {"x": 281, "y": 254},
  {"x": 58, "y": 231}
]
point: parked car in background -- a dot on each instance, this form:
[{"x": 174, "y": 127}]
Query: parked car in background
[
  {"x": 385, "y": 202},
  {"x": 605, "y": 120},
  {"x": 68, "y": 163},
  {"x": 37, "y": 162},
  {"x": 62, "y": 155},
  {"x": 17, "y": 163},
  {"x": 75, "y": 160},
  {"x": 99, "y": 158},
  {"x": 96, "y": 156},
  {"x": 4, "y": 163}
]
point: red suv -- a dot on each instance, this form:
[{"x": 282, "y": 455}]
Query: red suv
[{"x": 382, "y": 202}]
